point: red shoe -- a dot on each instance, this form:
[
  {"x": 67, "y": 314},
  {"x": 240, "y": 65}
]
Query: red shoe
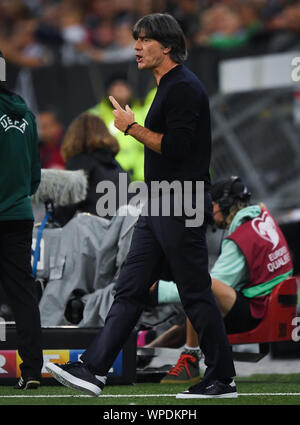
[{"x": 186, "y": 370}]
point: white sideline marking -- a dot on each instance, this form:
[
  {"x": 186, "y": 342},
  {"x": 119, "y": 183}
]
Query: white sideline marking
[{"x": 131, "y": 395}]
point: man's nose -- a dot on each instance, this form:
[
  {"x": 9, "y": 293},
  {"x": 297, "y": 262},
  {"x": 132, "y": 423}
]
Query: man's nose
[{"x": 137, "y": 45}]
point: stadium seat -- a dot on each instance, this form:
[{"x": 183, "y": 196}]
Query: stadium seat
[{"x": 277, "y": 324}]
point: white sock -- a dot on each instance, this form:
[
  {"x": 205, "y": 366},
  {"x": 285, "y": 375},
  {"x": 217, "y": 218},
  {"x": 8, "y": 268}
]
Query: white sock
[
  {"x": 195, "y": 350},
  {"x": 187, "y": 347}
]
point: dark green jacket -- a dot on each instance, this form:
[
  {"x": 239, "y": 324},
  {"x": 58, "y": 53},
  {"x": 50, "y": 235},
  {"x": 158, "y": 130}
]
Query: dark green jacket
[{"x": 20, "y": 169}]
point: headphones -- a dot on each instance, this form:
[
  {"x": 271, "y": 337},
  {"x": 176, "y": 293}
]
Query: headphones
[{"x": 228, "y": 199}]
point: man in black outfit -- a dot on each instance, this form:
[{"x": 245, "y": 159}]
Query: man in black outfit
[
  {"x": 19, "y": 179},
  {"x": 177, "y": 140}
]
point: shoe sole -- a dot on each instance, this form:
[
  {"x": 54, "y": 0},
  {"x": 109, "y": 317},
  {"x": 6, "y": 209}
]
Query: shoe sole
[
  {"x": 181, "y": 381},
  {"x": 71, "y": 381},
  {"x": 226, "y": 395},
  {"x": 32, "y": 385}
]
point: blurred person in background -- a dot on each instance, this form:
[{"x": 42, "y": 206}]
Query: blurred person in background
[
  {"x": 99, "y": 21},
  {"x": 145, "y": 7},
  {"x": 99, "y": 10},
  {"x": 125, "y": 7},
  {"x": 88, "y": 146},
  {"x": 18, "y": 40},
  {"x": 267, "y": 9},
  {"x": 12, "y": 11},
  {"x": 21, "y": 47},
  {"x": 227, "y": 26},
  {"x": 101, "y": 35},
  {"x": 131, "y": 153},
  {"x": 73, "y": 32},
  {"x": 288, "y": 19},
  {"x": 281, "y": 22},
  {"x": 19, "y": 179},
  {"x": 50, "y": 131},
  {"x": 187, "y": 13},
  {"x": 121, "y": 48},
  {"x": 88, "y": 30}
]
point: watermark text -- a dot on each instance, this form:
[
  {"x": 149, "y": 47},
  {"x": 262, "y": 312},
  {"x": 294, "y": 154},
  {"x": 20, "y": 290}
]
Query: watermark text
[
  {"x": 2, "y": 330},
  {"x": 2, "y": 69},
  {"x": 296, "y": 69},
  {"x": 296, "y": 330},
  {"x": 158, "y": 198}
]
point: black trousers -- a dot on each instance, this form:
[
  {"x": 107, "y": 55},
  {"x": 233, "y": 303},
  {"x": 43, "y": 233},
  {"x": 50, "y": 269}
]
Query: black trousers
[
  {"x": 154, "y": 241},
  {"x": 19, "y": 286}
]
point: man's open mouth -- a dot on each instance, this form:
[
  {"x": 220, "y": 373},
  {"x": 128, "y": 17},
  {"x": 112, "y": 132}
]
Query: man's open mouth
[{"x": 139, "y": 58}]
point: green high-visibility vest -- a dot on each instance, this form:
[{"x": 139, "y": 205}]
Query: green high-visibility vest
[{"x": 131, "y": 154}]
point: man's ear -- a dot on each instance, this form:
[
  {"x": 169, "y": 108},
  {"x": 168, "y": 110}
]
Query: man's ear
[{"x": 166, "y": 50}]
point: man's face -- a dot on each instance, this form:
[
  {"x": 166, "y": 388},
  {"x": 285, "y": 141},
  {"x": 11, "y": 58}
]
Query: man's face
[
  {"x": 218, "y": 215},
  {"x": 150, "y": 53},
  {"x": 121, "y": 91},
  {"x": 49, "y": 129}
]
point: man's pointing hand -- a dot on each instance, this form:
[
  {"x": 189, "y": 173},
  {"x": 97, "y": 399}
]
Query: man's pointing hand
[{"x": 123, "y": 117}]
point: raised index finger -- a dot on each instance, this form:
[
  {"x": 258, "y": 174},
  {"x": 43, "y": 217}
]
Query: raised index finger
[{"x": 114, "y": 102}]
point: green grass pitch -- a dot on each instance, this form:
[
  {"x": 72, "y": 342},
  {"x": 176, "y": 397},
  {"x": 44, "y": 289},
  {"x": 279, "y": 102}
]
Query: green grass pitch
[{"x": 254, "y": 390}]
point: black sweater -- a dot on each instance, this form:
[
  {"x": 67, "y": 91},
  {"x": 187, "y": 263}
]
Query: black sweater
[
  {"x": 180, "y": 111},
  {"x": 98, "y": 165}
]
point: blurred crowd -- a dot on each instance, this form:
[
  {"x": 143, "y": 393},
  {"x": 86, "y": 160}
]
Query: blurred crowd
[
  {"x": 38, "y": 33},
  {"x": 33, "y": 31}
]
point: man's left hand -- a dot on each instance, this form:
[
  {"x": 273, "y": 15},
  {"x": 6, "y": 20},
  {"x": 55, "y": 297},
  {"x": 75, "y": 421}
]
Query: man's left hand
[{"x": 123, "y": 117}]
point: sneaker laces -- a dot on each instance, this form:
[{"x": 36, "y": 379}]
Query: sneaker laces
[
  {"x": 200, "y": 386},
  {"x": 71, "y": 364},
  {"x": 182, "y": 364},
  {"x": 21, "y": 381}
]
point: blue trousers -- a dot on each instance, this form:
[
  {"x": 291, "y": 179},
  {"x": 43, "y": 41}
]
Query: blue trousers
[{"x": 157, "y": 240}]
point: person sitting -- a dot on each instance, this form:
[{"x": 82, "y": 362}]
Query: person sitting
[
  {"x": 254, "y": 258},
  {"x": 88, "y": 146}
]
